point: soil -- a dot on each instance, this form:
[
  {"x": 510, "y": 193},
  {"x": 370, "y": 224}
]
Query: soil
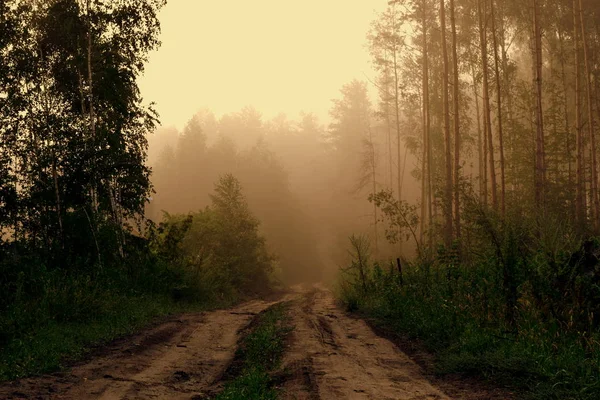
[
  {"x": 334, "y": 356},
  {"x": 330, "y": 355}
]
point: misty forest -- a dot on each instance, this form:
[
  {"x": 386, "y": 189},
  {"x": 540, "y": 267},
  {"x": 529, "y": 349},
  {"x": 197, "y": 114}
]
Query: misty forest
[{"x": 445, "y": 212}]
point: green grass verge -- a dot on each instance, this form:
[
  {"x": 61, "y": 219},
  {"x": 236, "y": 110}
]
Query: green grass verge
[
  {"x": 53, "y": 345},
  {"x": 259, "y": 353},
  {"x": 537, "y": 363}
]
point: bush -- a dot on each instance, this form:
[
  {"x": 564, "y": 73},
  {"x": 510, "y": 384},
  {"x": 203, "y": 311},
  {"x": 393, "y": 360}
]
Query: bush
[
  {"x": 52, "y": 293},
  {"x": 521, "y": 309},
  {"x": 219, "y": 250}
]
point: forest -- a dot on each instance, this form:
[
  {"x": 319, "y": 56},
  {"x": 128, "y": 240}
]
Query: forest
[{"x": 452, "y": 199}]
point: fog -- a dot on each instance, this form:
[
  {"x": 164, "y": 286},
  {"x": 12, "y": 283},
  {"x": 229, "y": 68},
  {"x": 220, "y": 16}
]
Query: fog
[
  {"x": 305, "y": 193},
  {"x": 320, "y": 107},
  {"x": 257, "y": 102},
  {"x": 277, "y": 56}
]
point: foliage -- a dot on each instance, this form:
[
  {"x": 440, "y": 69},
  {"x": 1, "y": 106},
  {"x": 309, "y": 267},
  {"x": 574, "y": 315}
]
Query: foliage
[
  {"x": 401, "y": 217},
  {"x": 212, "y": 257},
  {"x": 73, "y": 180},
  {"x": 186, "y": 169},
  {"x": 259, "y": 353},
  {"x": 219, "y": 249},
  {"x": 520, "y": 310}
]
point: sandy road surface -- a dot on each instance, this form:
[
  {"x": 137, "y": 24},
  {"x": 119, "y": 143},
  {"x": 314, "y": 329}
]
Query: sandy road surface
[
  {"x": 333, "y": 356},
  {"x": 330, "y": 356},
  {"x": 175, "y": 360}
]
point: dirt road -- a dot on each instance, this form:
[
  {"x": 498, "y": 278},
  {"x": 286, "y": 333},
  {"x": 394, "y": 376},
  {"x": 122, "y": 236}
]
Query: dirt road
[
  {"x": 333, "y": 356},
  {"x": 330, "y": 356}
]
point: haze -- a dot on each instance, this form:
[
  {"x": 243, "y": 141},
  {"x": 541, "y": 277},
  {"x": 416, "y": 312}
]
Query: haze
[
  {"x": 431, "y": 165},
  {"x": 279, "y": 56}
]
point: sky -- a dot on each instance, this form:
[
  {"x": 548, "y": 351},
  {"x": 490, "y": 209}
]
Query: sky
[{"x": 277, "y": 55}]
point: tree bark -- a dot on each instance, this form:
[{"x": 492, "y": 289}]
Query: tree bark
[
  {"x": 446, "y": 125},
  {"x": 456, "y": 122},
  {"x": 563, "y": 75},
  {"x": 481, "y": 161},
  {"x": 499, "y": 103},
  {"x": 540, "y": 167},
  {"x": 92, "y": 116},
  {"x": 397, "y": 109},
  {"x": 426, "y": 206},
  {"x": 595, "y": 205},
  {"x": 427, "y": 122},
  {"x": 486, "y": 103},
  {"x": 389, "y": 127},
  {"x": 579, "y": 191}
]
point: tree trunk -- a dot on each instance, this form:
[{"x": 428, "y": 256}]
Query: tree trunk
[
  {"x": 481, "y": 164},
  {"x": 426, "y": 211},
  {"x": 486, "y": 197},
  {"x": 446, "y": 124},
  {"x": 388, "y": 124},
  {"x": 486, "y": 104},
  {"x": 499, "y": 103},
  {"x": 563, "y": 75},
  {"x": 456, "y": 123},
  {"x": 397, "y": 109},
  {"x": 579, "y": 191},
  {"x": 427, "y": 125},
  {"x": 93, "y": 190},
  {"x": 507, "y": 95},
  {"x": 595, "y": 206},
  {"x": 540, "y": 168}
]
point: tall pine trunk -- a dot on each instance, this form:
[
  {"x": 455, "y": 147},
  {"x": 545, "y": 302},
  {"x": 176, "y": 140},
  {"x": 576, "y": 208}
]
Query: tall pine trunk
[
  {"x": 540, "y": 168},
  {"x": 456, "y": 110},
  {"x": 397, "y": 110},
  {"x": 92, "y": 116},
  {"x": 563, "y": 76},
  {"x": 481, "y": 162},
  {"x": 388, "y": 124},
  {"x": 447, "y": 139},
  {"x": 580, "y": 190},
  {"x": 486, "y": 104},
  {"x": 499, "y": 103},
  {"x": 595, "y": 205},
  {"x": 426, "y": 126}
]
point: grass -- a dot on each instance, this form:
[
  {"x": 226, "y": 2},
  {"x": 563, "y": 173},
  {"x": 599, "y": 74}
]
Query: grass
[
  {"x": 541, "y": 361},
  {"x": 259, "y": 354},
  {"x": 53, "y": 345}
]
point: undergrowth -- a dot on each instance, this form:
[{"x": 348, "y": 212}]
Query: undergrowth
[
  {"x": 258, "y": 354},
  {"x": 543, "y": 349},
  {"x": 56, "y": 305}
]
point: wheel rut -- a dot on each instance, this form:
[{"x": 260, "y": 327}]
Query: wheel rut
[
  {"x": 178, "y": 359},
  {"x": 329, "y": 356},
  {"x": 333, "y": 356}
]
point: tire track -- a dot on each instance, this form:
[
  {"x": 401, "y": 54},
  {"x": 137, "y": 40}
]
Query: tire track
[
  {"x": 179, "y": 359},
  {"x": 334, "y": 356}
]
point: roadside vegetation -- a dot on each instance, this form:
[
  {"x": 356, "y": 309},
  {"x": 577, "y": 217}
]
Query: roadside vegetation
[
  {"x": 53, "y": 313},
  {"x": 258, "y": 355},
  {"x": 516, "y": 303},
  {"x": 80, "y": 264}
]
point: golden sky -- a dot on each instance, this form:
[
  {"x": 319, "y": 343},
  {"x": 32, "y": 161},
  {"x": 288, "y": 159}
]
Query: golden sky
[{"x": 278, "y": 55}]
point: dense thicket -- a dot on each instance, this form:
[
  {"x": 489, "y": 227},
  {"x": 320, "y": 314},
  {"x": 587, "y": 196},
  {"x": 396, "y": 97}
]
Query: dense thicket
[
  {"x": 495, "y": 100},
  {"x": 73, "y": 183}
]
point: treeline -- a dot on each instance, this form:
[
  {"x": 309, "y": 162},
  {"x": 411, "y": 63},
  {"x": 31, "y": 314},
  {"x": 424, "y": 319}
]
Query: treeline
[
  {"x": 79, "y": 261},
  {"x": 496, "y": 99},
  {"x": 186, "y": 165},
  {"x": 491, "y": 108}
]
